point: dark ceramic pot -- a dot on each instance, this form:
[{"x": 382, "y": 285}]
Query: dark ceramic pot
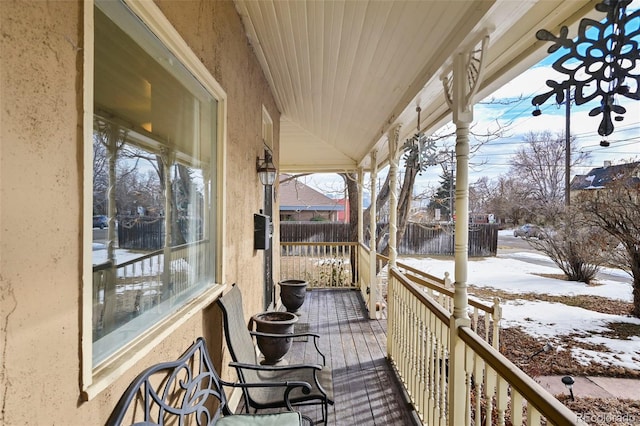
[
  {"x": 292, "y": 294},
  {"x": 274, "y": 349}
]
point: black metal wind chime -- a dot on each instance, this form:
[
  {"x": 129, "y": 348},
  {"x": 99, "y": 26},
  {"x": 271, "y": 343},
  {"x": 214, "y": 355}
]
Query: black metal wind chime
[{"x": 602, "y": 62}]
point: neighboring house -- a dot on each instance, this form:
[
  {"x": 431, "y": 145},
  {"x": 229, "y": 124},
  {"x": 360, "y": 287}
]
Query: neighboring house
[
  {"x": 343, "y": 216},
  {"x": 599, "y": 177},
  {"x": 301, "y": 202}
]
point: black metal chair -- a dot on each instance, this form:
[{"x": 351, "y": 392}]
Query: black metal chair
[
  {"x": 186, "y": 392},
  {"x": 246, "y": 362}
]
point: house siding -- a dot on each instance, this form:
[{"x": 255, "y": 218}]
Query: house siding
[{"x": 41, "y": 200}]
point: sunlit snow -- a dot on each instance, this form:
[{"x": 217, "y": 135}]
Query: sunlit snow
[{"x": 515, "y": 273}]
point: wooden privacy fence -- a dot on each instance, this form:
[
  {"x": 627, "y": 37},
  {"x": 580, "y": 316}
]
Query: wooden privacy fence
[
  {"x": 148, "y": 233},
  {"x": 141, "y": 235},
  {"x": 314, "y": 232},
  {"x": 418, "y": 239}
]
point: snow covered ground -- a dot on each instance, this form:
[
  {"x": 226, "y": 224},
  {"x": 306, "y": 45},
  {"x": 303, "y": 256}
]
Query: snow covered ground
[{"x": 546, "y": 320}]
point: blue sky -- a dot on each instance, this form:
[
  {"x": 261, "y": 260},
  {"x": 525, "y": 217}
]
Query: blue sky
[{"x": 492, "y": 159}]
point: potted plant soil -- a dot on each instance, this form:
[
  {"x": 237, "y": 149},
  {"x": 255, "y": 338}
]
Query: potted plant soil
[
  {"x": 292, "y": 294},
  {"x": 274, "y": 348}
]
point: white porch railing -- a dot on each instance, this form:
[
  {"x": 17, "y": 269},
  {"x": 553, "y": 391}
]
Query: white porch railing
[
  {"x": 420, "y": 347},
  {"x": 123, "y": 290},
  {"x": 441, "y": 290},
  {"x": 421, "y": 335},
  {"x": 364, "y": 278},
  {"x": 321, "y": 264}
]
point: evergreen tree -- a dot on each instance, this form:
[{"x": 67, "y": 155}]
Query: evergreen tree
[{"x": 444, "y": 196}]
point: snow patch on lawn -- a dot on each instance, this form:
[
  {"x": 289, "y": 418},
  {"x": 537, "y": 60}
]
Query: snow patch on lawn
[{"x": 546, "y": 320}]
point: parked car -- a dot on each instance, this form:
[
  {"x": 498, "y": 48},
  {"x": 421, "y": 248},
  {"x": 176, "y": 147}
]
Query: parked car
[
  {"x": 529, "y": 230},
  {"x": 100, "y": 221}
]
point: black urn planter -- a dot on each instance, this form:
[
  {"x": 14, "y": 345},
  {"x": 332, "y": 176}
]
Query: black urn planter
[
  {"x": 292, "y": 294},
  {"x": 274, "y": 349}
]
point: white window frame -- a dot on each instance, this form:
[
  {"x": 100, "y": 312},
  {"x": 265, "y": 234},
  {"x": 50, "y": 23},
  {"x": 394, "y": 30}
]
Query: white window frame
[{"x": 95, "y": 380}]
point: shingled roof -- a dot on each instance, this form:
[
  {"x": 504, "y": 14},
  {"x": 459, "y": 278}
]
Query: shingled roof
[
  {"x": 599, "y": 177},
  {"x": 296, "y": 196}
]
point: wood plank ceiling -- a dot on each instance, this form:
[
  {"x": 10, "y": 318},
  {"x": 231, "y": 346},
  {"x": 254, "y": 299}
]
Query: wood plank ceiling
[{"x": 345, "y": 72}]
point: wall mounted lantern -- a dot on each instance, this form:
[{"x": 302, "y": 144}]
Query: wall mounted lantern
[
  {"x": 606, "y": 53},
  {"x": 266, "y": 169}
]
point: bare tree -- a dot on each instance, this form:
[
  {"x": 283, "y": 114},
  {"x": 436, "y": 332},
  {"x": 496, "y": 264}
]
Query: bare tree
[
  {"x": 504, "y": 197},
  {"x": 573, "y": 245},
  {"x": 616, "y": 210},
  {"x": 538, "y": 165},
  {"x": 100, "y": 175}
]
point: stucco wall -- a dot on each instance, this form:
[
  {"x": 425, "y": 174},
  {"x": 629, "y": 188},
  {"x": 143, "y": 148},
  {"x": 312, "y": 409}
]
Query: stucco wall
[{"x": 41, "y": 198}]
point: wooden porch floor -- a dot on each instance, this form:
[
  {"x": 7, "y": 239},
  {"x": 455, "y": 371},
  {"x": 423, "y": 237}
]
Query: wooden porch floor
[{"x": 366, "y": 388}]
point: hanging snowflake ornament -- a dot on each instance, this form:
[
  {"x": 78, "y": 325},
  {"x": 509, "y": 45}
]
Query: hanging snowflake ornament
[
  {"x": 410, "y": 148},
  {"x": 419, "y": 152},
  {"x": 427, "y": 153},
  {"x": 602, "y": 62}
]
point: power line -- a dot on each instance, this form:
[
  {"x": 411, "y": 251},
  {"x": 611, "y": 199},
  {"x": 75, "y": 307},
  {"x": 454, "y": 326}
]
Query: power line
[{"x": 577, "y": 137}]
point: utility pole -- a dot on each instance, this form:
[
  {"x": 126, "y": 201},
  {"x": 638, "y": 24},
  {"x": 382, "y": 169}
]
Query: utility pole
[
  {"x": 567, "y": 147},
  {"x": 567, "y": 142},
  {"x": 449, "y": 167}
]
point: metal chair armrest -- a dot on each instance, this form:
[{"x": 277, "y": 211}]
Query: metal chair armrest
[
  {"x": 259, "y": 367},
  {"x": 288, "y": 385}
]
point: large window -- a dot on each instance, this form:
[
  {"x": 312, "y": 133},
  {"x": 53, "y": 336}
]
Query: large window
[{"x": 154, "y": 169}]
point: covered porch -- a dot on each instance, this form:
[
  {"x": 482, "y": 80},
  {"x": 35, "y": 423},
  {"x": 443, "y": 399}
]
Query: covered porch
[
  {"x": 354, "y": 94},
  {"x": 225, "y": 88}
]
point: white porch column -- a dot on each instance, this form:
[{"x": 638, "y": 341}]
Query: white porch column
[
  {"x": 360, "y": 205},
  {"x": 393, "y": 195},
  {"x": 167, "y": 157},
  {"x": 393, "y": 224},
  {"x": 361, "y": 285},
  {"x": 460, "y": 86},
  {"x": 115, "y": 139},
  {"x": 373, "y": 278}
]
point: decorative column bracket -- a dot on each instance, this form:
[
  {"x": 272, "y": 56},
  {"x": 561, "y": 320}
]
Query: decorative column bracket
[{"x": 469, "y": 63}]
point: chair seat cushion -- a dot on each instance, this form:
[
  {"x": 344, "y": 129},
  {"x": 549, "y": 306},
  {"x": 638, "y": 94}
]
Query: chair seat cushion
[{"x": 278, "y": 419}]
